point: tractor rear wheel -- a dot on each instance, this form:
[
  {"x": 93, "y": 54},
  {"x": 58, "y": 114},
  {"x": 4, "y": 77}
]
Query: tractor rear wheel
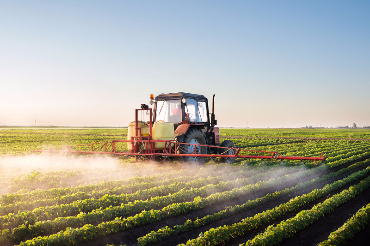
[
  {"x": 227, "y": 150},
  {"x": 192, "y": 139}
]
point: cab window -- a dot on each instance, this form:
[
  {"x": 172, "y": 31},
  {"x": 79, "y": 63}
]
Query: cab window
[
  {"x": 197, "y": 111},
  {"x": 169, "y": 111}
]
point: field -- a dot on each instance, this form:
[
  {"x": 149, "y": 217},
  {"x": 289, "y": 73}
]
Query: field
[{"x": 49, "y": 199}]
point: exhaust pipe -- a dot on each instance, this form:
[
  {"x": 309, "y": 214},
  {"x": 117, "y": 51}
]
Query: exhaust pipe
[{"x": 213, "y": 120}]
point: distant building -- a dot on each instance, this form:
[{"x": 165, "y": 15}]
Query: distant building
[{"x": 354, "y": 125}]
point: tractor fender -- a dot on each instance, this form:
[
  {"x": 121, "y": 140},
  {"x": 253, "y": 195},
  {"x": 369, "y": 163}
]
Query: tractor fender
[{"x": 181, "y": 130}]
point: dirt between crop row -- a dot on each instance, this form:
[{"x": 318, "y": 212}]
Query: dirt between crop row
[
  {"x": 130, "y": 237},
  {"x": 320, "y": 230},
  {"x": 319, "y": 233},
  {"x": 362, "y": 238}
]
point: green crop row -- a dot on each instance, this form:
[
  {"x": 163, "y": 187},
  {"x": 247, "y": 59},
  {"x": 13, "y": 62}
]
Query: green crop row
[
  {"x": 332, "y": 152},
  {"x": 82, "y": 206},
  {"x": 275, "y": 234},
  {"x": 21, "y": 141},
  {"x": 88, "y": 232},
  {"x": 57, "y": 192},
  {"x": 349, "y": 229},
  {"x": 303, "y": 133},
  {"x": 110, "y": 188},
  {"x": 224, "y": 233},
  {"x": 166, "y": 232},
  {"x": 100, "y": 214},
  {"x": 51, "y": 212}
]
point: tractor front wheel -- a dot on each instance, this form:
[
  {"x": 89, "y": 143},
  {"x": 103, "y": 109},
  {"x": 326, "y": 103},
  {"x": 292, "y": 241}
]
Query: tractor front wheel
[{"x": 192, "y": 141}]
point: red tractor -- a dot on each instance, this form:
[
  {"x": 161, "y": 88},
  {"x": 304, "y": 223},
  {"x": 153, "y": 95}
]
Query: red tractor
[{"x": 194, "y": 125}]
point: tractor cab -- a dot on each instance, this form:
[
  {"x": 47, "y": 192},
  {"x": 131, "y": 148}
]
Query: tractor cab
[{"x": 181, "y": 108}]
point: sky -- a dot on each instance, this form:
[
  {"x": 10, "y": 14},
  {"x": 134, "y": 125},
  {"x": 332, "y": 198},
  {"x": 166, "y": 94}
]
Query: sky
[{"x": 269, "y": 63}]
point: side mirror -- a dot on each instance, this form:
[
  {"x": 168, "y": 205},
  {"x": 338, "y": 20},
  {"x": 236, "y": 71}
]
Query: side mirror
[{"x": 215, "y": 122}]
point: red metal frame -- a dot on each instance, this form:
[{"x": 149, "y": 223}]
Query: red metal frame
[{"x": 168, "y": 151}]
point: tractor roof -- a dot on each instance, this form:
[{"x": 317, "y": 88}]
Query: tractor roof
[{"x": 180, "y": 95}]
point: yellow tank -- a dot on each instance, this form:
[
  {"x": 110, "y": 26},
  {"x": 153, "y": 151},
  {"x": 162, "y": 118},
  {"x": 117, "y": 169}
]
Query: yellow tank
[
  {"x": 163, "y": 131},
  {"x": 131, "y": 131}
]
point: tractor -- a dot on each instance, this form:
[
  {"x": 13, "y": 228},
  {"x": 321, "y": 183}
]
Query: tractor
[{"x": 194, "y": 125}]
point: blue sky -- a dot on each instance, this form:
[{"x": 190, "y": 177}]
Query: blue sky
[{"x": 270, "y": 63}]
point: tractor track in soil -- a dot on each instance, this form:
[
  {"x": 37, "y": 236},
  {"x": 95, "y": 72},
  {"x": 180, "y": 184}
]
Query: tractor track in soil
[{"x": 129, "y": 237}]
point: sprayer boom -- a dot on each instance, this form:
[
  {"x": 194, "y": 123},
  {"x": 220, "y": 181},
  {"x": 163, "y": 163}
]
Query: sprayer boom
[{"x": 171, "y": 150}]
